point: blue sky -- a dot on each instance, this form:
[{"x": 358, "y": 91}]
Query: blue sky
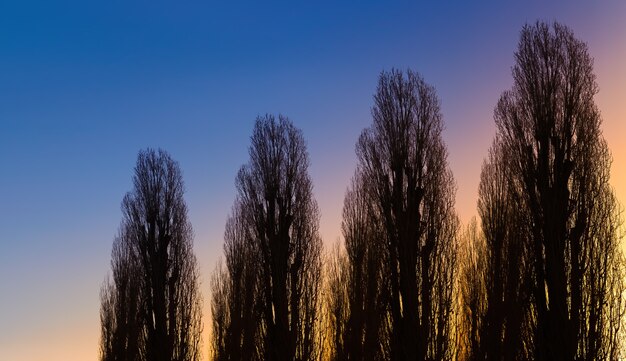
[{"x": 85, "y": 85}]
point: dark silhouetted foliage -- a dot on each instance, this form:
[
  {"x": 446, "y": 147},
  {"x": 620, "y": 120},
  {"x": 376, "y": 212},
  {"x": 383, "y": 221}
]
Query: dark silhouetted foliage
[
  {"x": 151, "y": 310},
  {"x": 495, "y": 279},
  {"x": 407, "y": 219},
  {"x": 267, "y": 299},
  {"x": 552, "y": 278},
  {"x": 357, "y": 287},
  {"x": 538, "y": 276}
]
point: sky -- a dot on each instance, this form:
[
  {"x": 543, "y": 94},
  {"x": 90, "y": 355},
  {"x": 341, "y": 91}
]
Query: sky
[{"x": 85, "y": 85}]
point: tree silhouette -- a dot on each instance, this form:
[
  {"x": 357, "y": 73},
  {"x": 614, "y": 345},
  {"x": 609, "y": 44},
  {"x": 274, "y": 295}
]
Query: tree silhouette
[
  {"x": 152, "y": 309},
  {"x": 368, "y": 329},
  {"x": 495, "y": 277},
  {"x": 506, "y": 273},
  {"x": 357, "y": 288},
  {"x": 336, "y": 308},
  {"x": 272, "y": 235},
  {"x": 220, "y": 315},
  {"x": 404, "y": 160},
  {"x": 235, "y": 308},
  {"x": 471, "y": 293},
  {"x": 120, "y": 315},
  {"x": 549, "y": 131}
]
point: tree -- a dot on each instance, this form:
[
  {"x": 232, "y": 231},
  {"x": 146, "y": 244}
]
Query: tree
[
  {"x": 506, "y": 272},
  {"x": 471, "y": 293},
  {"x": 336, "y": 305},
  {"x": 549, "y": 128},
  {"x": 274, "y": 231},
  {"x": 357, "y": 289},
  {"x": 153, "y": 266},
  {"x": 220, "y": 316},
  {"x": 368, "y": 330},
  {"x": 412, "y": 192},
  {"x": 495, "y": 273},
  {"x": 120, "y": 314},
  {"x": 235, "y": 308}
]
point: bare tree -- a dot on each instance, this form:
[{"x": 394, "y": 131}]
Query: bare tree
[
  {"x": 108, "y": 324},
  {"x": 274, "y": 228},
  {"x": 236, "y": 311},
  {"x": 154, "y": 265},
  {"x": 549, "y": 127},
  {"x": 412, "y": 189},
  {"x": 120, "y": 314},
  {"x": 495, "y": 275},
  {"x": 471, "y": 293},
  {"x": 357, "y": 294},
  {"x": 220, "y": 316},
  {"x": 367, "y": 332},
  {"x": 336, "y": 305}
]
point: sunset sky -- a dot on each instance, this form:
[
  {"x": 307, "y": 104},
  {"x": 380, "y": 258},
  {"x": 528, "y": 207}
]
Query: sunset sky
[{"x": 85, "y": 85}]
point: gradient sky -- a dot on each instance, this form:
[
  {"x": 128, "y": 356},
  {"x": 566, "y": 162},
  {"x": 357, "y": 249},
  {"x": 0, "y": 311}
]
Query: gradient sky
[{"x": 85, "y": 85}]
